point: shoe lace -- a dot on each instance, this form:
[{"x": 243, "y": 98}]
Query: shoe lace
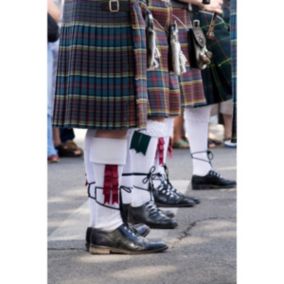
[
  {"x": 149, "y": 176},
  {"x": 167, "y": 179},
  {"x": 153, "y": 209},
  {"x": 210, "y": 156},
  {"x": 165, "y": 186},
  {"x": 129, "y": 230},
  {"x": 214, "y": 174},
  {"x": 148, "y": 179}
]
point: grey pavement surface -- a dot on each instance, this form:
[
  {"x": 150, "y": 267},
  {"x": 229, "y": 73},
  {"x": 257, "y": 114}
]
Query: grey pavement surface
[{"x": 202, "y": 250}]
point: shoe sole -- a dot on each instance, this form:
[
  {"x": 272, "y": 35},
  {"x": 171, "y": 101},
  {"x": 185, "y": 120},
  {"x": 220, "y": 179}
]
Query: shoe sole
[
  {"x": 153, "y": 226},
  {"x": 159, "y": 226},
  {"x": 146, "y": 233},
  {"x": 174, "y": 205},
  {"x": 110, "y": 250},
  {"x": 210, "y": 186}
]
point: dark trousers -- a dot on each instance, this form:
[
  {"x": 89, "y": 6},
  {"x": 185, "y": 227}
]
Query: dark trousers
[{"x": 66, "y": 134}]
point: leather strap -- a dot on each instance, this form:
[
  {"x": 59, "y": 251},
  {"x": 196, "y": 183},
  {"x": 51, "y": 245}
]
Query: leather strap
[{"x": 112, "y": 6}]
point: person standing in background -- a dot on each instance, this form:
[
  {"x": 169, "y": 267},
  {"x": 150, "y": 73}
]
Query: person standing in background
[{"x": 54, "y": 17}]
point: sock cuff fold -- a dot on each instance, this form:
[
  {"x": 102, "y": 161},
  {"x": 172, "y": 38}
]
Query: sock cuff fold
[{"x": 108, "y": 151}]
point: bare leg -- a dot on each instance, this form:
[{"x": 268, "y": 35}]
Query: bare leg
[
  {"x": 56, "y": 137},
  {"x": 178, "y": 127},
  {"x": 228, "y": 119}
]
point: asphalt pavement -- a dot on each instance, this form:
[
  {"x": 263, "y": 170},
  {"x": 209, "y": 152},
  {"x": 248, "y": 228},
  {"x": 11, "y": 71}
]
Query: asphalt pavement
[{"x": 202, "y": 249}]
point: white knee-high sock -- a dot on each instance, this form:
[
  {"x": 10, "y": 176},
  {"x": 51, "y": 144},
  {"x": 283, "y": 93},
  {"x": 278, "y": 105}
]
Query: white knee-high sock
[
  {"x": 169, "y": 126},
  {"x": 89, "y": 170},
  {"x": 90, "y": 135},
  {"x": 127, "y": 180},
  {"x": 196, "y": 125},
  {"x": 169, "y": 133},
  {"x": 106, "y": 159},
  {"x": 139, "y": 165}
]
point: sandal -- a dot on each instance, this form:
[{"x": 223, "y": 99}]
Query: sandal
[
  {"x": 213, "y": 143},
  {"x": 53, "y": 159},
  {"x": 181, "y": 144},
  {"x": 69, "y": 149}
]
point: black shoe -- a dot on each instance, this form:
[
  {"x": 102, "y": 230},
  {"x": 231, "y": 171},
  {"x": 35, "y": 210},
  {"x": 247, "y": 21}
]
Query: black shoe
[
  {"x": 138, "y": 229},
  {"x": 124, "y": 241},
  {"x": 171, "y": 187},
  {"x": 212, "y": 180},
  {"x": 166, "y": 196},
  {"x": 124, "y": 214},
  {"x": 194, "y": 199},
  {"x": 168, "y": 213},
  {"x": 150, "y": 215}
]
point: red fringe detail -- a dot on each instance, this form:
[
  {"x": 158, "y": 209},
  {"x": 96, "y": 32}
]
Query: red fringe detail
[
  {"x": 111, "y": 184},
  {"x": 170, "y": 149},
  {"x": 160, "y": 150}
]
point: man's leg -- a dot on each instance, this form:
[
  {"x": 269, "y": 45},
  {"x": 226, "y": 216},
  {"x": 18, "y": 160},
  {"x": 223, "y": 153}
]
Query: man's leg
[
  {"x": 165, "y": 194},
  {"x": 105, "y": 156},
  {"x": 204, "y": 177},
  {"x": 138, "y": 175}
]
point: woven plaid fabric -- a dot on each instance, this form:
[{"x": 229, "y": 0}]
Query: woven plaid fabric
[
  {"x": 217, "y": 78},
  {"x": 101, "y": 78},
  {"x": 163, "y": 86},
  {"x": 233, "y": 33},
  {"x": 191, "y": 85}
]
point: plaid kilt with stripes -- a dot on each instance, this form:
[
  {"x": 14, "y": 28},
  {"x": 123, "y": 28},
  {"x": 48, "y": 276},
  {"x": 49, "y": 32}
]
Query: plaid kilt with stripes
[
  {"x": 217, "y": 77},
  {"x": 191, "y": 85},
  {"x": 163, "y": 86},
  {"x": 101, "y": 78}
]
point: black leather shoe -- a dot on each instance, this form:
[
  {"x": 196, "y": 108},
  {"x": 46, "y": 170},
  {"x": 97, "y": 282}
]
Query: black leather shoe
[
  {"x": 124, "y": 241},
  {"x": 124, "y": 214},
  {"x": 194, "y": 199},
  {"x": 138, "y": 229},
  {"x": 150, "y": 215},
  {"x": 88, "y": 238},
  {"x": 171, "y": 187},
  {"x": 168, "y": 213},
  {"x": 212, "y": 180},
  {"x": 166, "y": 196}
]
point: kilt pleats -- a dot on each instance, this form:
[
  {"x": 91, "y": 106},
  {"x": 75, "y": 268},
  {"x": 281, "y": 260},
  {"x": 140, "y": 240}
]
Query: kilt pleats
[
  {"x": 217, "y": 77},
  {"x": 101, "y": 77},
  {"x": 163, "y": 85},
  {"x": 191, "y": 84}
]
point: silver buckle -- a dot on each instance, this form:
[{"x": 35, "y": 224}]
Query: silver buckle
[{"x": 113, "y": 8}]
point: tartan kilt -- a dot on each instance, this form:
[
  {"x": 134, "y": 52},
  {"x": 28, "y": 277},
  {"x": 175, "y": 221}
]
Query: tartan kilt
[
  {"x": 163, "y": 85},
  {"x": 101, "y": 78},
  {"x": 217, "y": 77},
  {"x": 191, "y": 85}
]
